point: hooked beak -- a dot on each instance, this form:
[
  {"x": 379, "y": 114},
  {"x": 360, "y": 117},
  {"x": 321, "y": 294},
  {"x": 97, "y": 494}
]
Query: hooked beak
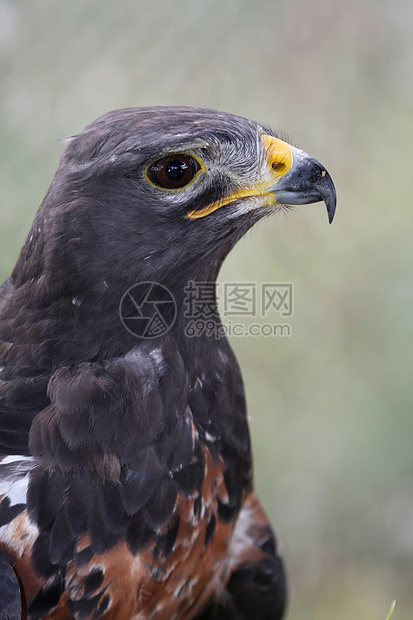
[
  {"x": 298, "y": 179},
  {"x": 307, "y": 181}
]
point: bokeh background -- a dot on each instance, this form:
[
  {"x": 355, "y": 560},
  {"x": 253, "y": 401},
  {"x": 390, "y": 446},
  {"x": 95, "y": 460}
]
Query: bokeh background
[{"x": 331, "y": 406}]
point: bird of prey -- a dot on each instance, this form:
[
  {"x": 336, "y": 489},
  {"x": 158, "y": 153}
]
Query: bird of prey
[{"x": 125, "y": 476}]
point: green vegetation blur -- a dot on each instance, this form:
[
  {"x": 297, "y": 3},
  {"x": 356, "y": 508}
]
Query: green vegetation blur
[{"x": 331, "y": 406}]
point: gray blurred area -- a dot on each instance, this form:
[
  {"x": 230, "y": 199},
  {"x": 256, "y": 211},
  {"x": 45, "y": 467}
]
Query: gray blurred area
[{"x": 331, "y": 405}]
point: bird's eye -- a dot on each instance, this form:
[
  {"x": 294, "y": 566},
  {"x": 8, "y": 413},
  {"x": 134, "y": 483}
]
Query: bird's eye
[{"x": 173, "y": 171}]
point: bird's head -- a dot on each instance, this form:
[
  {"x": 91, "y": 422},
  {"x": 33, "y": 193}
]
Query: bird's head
[{"x": 161, "y": 194}]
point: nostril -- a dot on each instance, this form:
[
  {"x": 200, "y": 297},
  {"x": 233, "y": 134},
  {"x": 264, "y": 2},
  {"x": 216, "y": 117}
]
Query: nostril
[{"x": 279, "y": 167}]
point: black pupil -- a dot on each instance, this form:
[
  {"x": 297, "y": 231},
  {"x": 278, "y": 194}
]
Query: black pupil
[{"x": 176, "y": 170}]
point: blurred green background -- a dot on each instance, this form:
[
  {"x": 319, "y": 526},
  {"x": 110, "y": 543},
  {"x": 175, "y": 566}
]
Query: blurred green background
[{"x": 331, "y": 406}]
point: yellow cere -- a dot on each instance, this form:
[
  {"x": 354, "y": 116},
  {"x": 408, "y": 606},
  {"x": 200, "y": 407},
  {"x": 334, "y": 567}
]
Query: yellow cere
[
  {"x": 279, "y": 155},
  {"x": 278, "y": 160}
]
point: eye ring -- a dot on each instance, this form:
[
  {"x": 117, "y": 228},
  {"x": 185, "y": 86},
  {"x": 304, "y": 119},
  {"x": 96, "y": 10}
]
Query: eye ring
[{"x": 173, "y": 171}]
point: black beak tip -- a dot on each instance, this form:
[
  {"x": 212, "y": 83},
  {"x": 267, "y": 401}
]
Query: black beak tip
[
  {"x": 328, "y": 194},
  {"x": 331, "y": 208}
]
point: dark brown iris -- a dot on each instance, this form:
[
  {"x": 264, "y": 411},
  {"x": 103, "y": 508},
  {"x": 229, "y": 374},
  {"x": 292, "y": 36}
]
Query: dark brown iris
[{"x": 173, "y": 171}]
